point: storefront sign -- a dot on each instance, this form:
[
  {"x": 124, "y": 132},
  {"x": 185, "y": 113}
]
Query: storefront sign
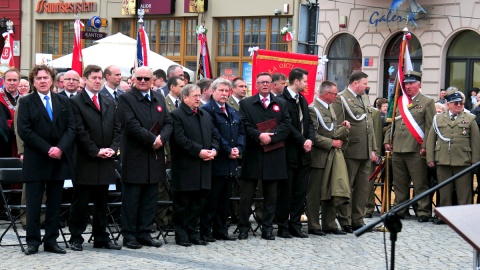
[
  {"x": 65, "y": 7},
  {"x": 158, "y": 7},
  {"x": 388, "y": 19},
  {"x": 195, "y": 6},
  {"x": 92, "y": 35}
]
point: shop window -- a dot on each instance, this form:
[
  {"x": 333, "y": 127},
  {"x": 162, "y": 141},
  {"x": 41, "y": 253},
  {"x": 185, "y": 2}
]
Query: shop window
[
  {"x": 463, "y": 62},
  {"x": 235, "y": 36},
  {"x": 392, "y": 53},
  {"x": 175, "y": 39},
  {"x": 57, "y": 37},
  {"x": 345, "y": 57}
]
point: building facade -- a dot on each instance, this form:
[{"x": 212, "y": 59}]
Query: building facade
[{"x": 353, "y": 34}]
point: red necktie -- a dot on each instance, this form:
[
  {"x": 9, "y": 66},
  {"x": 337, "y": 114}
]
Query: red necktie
[
  {"x": 224, "y": 110},
  {"x": 94, "y": 98},
  {"x": 195, "y": 111},
  {"x": 264, "y": 100}
]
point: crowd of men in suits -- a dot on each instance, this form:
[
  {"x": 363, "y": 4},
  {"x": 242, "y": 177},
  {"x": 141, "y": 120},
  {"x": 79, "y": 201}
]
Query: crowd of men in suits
[{"x": 318, "y": 155}]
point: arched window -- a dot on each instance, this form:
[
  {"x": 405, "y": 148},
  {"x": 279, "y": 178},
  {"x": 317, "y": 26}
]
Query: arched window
[
  {"x": 463, "y": 62},
  {"x": 391, "y": 60},
  {"x": 345, "y": 57}
]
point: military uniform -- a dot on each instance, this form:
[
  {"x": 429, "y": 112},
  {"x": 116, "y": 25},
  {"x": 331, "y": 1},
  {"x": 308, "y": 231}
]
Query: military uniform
[
  {"x": 407, "y": 164},
  {"x": 455, "y": 155},
  {"x": 378, "y": 128},
  {"x": 358, "y": 153},
  {"x": 322, "y": 145},
  {"x": 231, "y": 101}
]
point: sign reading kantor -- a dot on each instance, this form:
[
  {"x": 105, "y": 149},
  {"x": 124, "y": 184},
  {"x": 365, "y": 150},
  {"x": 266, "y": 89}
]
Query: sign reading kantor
[{"x": 65, "y": 7}]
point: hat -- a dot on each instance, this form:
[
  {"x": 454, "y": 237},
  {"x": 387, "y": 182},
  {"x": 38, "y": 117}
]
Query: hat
[
  {"x": 457, "y": 96},
  {"x": 412, "y": 76}
]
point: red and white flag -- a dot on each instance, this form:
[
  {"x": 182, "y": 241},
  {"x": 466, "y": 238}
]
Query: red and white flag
[
  {"x": 77, "y": 57},
  {"x": 404, "y": 101},
  {"x": 143, "y": 46},
  {"x": 7, "y": 53}
]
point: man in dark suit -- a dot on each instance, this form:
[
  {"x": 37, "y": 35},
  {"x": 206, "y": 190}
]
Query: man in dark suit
[
  {"x": 213, "y": 222},
  {"x": 97, "y": 141},
  {"x": 268, "y": 166},
  {"x": 239, "y": 92},
  {"x": 47, "y": 128},
  {"x": 291, "y": 193},
  {"x": 71, "y": 80},
  {"x": 173, "y": 70},
  {"x": 113, "y": 77},
  {"x": 147, "y": 127},
  {"x": 194, "y": 145}
]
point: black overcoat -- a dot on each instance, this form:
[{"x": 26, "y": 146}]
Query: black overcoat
[
  {"x": 140, "y": 163},
  {"x": 191, "y": 133},
  {"x": 95, "y": 129},
  {"x": 39, "y": 134},
  {"x": 256, "y": 163}
]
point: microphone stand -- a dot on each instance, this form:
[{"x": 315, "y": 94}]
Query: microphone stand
[{"x": 392, "y": 221}]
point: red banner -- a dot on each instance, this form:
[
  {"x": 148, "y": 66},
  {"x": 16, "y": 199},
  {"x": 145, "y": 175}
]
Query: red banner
[{"x": 283, "y": 62}]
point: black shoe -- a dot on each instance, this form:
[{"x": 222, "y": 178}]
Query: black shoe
[
  {"x": 298, "y": 233},
  {"x": 422, "y": 219},
  {"x": 106, "y": 245},
  {"x": 133, "y": 244},
  {"x": 316, "y": 232},
  {"x": 224, "y": 236},
  {"x": 268, "y": 236},
  {"x": 243, "y": 235},
  {"x": 31, "y": 250},
  {"x": 336, "y": 231},
  {"x": 284, "y": 234},
  {"x": 198, "y": 242},
  {"x": 438, "y": 221},
  {"x": 357, "y": 227},
  {"x": 347, "y": 229},
  {"x": 368, "y": 215},
  {"x": 76, "y": 246},
  {"x": 54, "y": 249},
  {"x": 183, "y": 244},
  {"x": 150, "y": 242},
  {"x": 208, "y": 238}
]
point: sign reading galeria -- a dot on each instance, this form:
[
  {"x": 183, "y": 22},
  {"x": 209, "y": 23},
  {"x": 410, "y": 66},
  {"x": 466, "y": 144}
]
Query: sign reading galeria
[{"x": 65, "y": 7}]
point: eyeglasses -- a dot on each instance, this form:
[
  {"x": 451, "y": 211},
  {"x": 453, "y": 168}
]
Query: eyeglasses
[
  {"x": 71, "y": 79},
  {"x": 264, "y": 82},
  {"x": 335, "y": 94},
  {"x": 457, "y": 103},
  {"x": 143, "y": 79}
]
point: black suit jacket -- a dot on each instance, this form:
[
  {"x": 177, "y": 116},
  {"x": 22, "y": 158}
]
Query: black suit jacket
[
  {"x": 104, "y": 92},
  {"x": 39, "y": 134},
  {"x": 140, "y": 163},
  {"x": 191, "y": 134},
  {"x": 256, "y": 163},
  {"x": 95, "y": 129},
  {"x": 296, "y": 156}
]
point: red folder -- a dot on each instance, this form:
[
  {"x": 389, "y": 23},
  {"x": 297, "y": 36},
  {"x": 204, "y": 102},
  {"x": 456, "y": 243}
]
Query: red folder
[
  {"x": 268, "y": 126},
  {"x": 156, "y": 128}
]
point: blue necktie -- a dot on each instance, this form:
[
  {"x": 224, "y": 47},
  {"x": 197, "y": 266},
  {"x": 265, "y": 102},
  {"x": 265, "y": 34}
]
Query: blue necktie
[
  {"x": 49, "y": 109},
  {"x": 148, "y": 97}
]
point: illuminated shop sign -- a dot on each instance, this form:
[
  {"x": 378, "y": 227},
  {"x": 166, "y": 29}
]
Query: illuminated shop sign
[{"x": 65, "y": 7}]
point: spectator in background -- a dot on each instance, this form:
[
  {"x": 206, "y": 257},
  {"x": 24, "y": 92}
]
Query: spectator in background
[
  {"x": 471, "y": 99},
  {"x": 442, "y": 99},
  {"x": 186, "y": 77},
  {"x": 382, "y": 105},
  {"x": 59, "y": 82},
  {"x": 159, "y": 81},
  {"x": 206, "y": 90},
  {"x": 81, "y": 84},
  {"x": 278, "y": 83},
  {"x": 124, "y": 86},
  {"x": 23, "y": 87}
]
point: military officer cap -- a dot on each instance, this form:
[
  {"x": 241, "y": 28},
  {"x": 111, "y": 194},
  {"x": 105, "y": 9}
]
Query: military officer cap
[
  {"x": 457, "y": 96},
  {"x": 412, "y": 76}
]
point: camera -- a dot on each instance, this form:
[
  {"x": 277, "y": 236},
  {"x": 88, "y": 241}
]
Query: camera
[{"x": 277, "y": 12}]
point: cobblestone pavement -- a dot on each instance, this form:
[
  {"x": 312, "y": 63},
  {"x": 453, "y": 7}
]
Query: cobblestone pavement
[{"x": 419, "y": 246}]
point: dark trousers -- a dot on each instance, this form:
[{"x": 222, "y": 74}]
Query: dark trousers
[
  {"x": 139, "y": 202},
  {"x": 291, "y": 198},
  {"x": 215, "y": 211},
  {"x": 82, "y": 195},
  {"x": 187, "y": 208},
  {"x": 246, "y": 200},
  {"x": 34, "y": 191}
]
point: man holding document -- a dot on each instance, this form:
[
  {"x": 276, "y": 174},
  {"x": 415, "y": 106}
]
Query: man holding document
[
  {"x": 147, "y": 126},
  {"x": 266, "y": 121}
]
